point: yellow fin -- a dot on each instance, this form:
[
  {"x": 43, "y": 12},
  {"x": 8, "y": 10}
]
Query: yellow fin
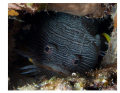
[
  {"x": 106, "y": 36},
  {"x": 30, "y": 60}
]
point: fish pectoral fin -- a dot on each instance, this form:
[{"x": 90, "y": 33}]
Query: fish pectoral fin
[
  {"x": 33, "y": 69},
  {"x": 28, "y": 67},
  {"x": 30, "y": 71}
]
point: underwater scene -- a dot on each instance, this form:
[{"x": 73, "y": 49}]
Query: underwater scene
[{"x": 62, "y": 46}]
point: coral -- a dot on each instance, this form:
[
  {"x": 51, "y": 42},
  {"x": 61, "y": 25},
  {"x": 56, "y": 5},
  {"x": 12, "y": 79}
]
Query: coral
[
  {"x": 63, "y": 84},
  {"x": 94, "y": 10},
  {"x": 12, "y": 13},
  {"x": 28, "y": 87},
  {"x": 103, "y": 78},
  {"x": 115, "y": 21},
  {"x": 111, "y": 55},
  {"x": 102, "y": 10},
  {"x": 81, "y": 9},
  {"x": 114, "y": 87},
  {"x": 29, "y": 7},
  {"x": 55, "y": 83},
  {"x": 13, "y": 6}
]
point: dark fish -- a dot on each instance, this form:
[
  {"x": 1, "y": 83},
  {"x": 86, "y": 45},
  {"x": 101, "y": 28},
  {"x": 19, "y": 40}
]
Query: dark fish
[{"x": 62, "y": 43}]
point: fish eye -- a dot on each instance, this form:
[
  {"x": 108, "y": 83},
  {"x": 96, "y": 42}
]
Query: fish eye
[
  {"x": 75, "y": 62},
  {"x": 47, "y": 49},
  {"x": 75, "y": 59}
]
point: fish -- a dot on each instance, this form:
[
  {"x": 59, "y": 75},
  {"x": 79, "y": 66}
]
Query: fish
[{"x": 61, "y": 43}]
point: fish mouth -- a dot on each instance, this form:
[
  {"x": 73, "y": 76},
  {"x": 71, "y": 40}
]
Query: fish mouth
[{"x": 55, "y": 68}]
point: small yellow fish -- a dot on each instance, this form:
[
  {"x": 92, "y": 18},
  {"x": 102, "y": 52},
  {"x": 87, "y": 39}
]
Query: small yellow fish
[{"x": 106, "y": 36}]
